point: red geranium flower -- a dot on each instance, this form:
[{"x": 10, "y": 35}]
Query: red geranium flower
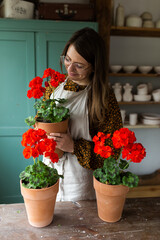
[
  {"x": 123, "y": 139},
  {"x": 36, "y": 143}
]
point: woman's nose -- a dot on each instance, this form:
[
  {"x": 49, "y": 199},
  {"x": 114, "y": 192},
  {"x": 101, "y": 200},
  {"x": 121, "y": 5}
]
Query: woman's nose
[{"x": 71, "y": 67}]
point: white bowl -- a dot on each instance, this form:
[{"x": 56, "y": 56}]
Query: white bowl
[
  {"x": 129, "y": 68},
  {"x": 115, "y": 68},
  {"x": 145, "y": 69},
  {"x": 158, "y": 23},
  {"x": 133, "y": 21},
  {"x": 148, "y": 24},
  {"x": 146, "y": 16},
  {"x": 157, "y": 69},
  {"x": 150, "y": 121},
  {"x": 151, "y": 116},
  {"x": 142, "y": 98}
]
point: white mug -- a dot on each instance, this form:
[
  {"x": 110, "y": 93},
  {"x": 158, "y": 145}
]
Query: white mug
[{"x": 133, "y": 118}]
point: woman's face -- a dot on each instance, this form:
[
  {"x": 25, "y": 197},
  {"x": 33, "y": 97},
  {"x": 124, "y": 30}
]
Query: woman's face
[{"x": 77, "y": 67}]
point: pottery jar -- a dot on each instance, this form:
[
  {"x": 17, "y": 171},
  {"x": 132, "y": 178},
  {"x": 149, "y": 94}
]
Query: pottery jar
[
  {"x": 120, "y": 16},
  {"x": 133, "y": 21}
]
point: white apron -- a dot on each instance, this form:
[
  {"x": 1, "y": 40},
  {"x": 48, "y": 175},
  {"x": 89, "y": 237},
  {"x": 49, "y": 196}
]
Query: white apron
[{"x": 77, "y": 183}]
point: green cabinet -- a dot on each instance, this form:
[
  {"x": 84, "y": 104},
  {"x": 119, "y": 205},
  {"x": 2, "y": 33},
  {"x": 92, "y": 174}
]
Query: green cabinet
[{"x": 27, "y": 48}]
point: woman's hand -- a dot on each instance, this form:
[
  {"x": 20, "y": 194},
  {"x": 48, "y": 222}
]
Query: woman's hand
[{"x": 64, "y": 141}]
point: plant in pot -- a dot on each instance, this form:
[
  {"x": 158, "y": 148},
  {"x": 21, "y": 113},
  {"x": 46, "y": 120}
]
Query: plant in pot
[
  {"x": 112, "y": 181},
  {"x": 51, "y": 116},
  {"x": 39, "y": 183}
]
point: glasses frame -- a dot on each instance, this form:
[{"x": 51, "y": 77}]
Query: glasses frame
[{"x": 80, "y": 70}]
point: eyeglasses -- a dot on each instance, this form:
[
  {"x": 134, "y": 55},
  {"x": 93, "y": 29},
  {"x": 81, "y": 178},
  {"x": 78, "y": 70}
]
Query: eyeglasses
[{"x": 79, "y": 67}]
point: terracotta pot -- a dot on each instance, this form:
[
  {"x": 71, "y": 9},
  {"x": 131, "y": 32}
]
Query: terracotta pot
[
  {"x": 40, "y": 204},
  {"x": 60, "y": 127},
  {"x": 110, "y": 200}
]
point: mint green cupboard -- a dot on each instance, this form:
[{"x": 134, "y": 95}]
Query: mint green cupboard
[{"x": 27, "y": 48}]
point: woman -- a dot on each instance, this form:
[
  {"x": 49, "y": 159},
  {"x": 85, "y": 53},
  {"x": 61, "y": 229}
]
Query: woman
[{"x": 93, "y": 108}]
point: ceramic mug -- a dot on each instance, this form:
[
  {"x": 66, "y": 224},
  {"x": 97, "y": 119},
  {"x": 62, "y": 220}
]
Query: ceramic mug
[
  {"x": 142, "y": 89},
  {"x": 133, "y": 118},
  {"x": 156, "y": 95}
]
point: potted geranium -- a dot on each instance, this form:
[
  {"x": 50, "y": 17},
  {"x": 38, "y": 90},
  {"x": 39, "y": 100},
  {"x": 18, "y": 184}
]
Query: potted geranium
[
  {"x": 51, "y": 116},
  {"x": 39, "y": 182},
  {"x": 112, "y": 181}
]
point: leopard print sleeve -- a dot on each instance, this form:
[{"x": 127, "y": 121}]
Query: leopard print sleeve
[{"x": 84, "y": 150}]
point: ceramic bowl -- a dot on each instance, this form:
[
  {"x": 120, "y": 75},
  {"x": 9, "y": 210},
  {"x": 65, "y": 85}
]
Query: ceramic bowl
[
  {"x": 115, "y": 68},
  {"x": 129, "y": 68},
  {"x": 156, "y": 95},
  {"x": 157, "y": 69},
  {"x": 133, "y": 21},
  {"x": 145, "y": 69},
  {"x": 148, "y": 24},
  {"x": 146, "y": 16},
  {"x": 158, "y": 23},
  {"x": 142, "y": 98},
  {"x": 150, "y": 121}
]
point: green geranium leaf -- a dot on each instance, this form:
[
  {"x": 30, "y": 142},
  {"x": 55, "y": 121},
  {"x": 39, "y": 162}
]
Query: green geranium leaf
[
  {"x": 30, "y": 121},
  {"x": 130, "y": 180},
  {"x": 39, "y": 175}
]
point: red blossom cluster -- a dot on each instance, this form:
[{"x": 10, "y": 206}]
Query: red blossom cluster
[
  {"x": 35, "y": 84},
  {"x": 56, "y": 77},
  {"x": 36, "y": 90},
  {"x": 36, "y": 143},
  {"x": 122, "y": 139}
]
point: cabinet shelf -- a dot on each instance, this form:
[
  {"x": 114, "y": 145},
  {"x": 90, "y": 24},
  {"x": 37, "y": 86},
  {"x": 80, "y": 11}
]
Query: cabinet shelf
[
  {"x": 138, "y": 103},
  {"x": 134, "y": 31},
  {"x": 135, "y": 74},
  {"x": 140, "y": 125}
]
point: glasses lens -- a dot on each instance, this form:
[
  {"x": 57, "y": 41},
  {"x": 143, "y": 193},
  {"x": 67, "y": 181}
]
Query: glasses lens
[{"x": 78, "y": 67}]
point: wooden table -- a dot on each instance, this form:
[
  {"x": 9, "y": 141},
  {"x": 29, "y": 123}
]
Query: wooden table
[{"x": 79, "y": 220}]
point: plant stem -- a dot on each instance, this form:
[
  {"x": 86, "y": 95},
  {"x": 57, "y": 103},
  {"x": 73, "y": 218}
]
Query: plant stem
[{"x": 119, "y": 155}]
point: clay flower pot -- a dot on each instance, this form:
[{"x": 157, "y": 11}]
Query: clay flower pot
[
  {"x": 40, "y": 204},
  {"x": 110, "y": 200},
  {"x": 60, "y": 127}
]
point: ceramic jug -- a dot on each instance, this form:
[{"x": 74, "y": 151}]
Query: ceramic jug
[
  {"x": 120, "y": 16},
  {"x": 117, "y": 91},
  {"x": 127, "y": 95}
]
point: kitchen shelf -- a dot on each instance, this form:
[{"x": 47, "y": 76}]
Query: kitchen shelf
[
  {"x": 140, "y": 125},
  {"x": 138, "y": 103},
  {"x": 136, "y": 74},
  {"x": 134, "y": 31}
]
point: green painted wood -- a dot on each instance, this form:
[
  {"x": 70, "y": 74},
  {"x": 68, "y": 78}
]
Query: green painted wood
[
  {"x": 49, "y": 45},
  {"x": 33, "y": 25},
  {"x": 27, "y": 48},
  {"x": 17, "y": 67}
]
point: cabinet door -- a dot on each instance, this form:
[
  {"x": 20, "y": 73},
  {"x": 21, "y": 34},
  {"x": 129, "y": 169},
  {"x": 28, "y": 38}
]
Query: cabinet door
[
  {"x": 49, "y": 45},
  {"x": 17, "y": 68}
]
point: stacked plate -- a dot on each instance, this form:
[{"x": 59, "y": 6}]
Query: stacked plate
[{"x": 150, "y": 118}]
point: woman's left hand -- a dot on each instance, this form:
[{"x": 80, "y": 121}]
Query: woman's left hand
[{"x": 64, "y": 141}]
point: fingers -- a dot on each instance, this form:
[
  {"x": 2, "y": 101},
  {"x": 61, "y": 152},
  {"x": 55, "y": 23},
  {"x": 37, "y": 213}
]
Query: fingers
[{"x": 58, "y": 137}]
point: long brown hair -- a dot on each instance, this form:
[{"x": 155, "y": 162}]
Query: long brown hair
[{"x": 89, "y": 44}]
